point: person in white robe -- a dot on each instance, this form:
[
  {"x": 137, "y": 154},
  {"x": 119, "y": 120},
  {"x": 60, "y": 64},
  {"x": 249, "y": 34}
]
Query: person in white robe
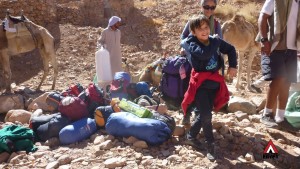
[{"x": 110, "y": 39}]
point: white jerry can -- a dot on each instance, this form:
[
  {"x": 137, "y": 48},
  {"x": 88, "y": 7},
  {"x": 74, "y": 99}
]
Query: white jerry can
[{"x": 103, "y": 66}]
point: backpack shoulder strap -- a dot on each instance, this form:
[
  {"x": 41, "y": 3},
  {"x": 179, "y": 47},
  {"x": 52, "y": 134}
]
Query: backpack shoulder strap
[{"x": 216, "y": 25}]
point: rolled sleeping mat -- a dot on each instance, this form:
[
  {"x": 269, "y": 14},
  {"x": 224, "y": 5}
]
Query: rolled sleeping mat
[
  {"x": 101, "y": 115},
  {"x": 36, "y": 121},
  {"x": 52, "y": 128},
  {"x": 77, "y": 131}
]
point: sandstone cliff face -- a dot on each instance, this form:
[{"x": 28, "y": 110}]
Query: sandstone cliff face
[{"x": 83, "y": 13}]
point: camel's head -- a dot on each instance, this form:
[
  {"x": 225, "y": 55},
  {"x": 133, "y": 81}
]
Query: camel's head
[{"x": 238, "y": 19}]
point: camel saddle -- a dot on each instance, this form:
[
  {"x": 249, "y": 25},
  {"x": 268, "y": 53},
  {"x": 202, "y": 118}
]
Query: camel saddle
[
  {"x": 16, "y": 19},
  {"x": 22, "y": 30}
]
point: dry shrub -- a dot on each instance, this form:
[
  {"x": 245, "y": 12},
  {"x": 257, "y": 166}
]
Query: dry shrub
[
  {"x": 225, "y": 11},
  {"x": 153, "y": 22},
  {"x": 158, "y": 21},
  {"x": 250, "y": 11},
  {"x": 241, "y": 1},
  {"x": 145, "y": 4}
]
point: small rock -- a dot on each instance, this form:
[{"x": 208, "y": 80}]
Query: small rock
[
  {"x": 138, "y": 156},
  {"x": 99, "y": 139},
  {"x": 52, "y": 165},
  {"x": 258, "y": 136},
  {"x": 173, "y": 157},
  {"x": 282, "y": 141},
  {"x": 297, "y": 150},
  {"x": 175, "y": 140},
  {"x": 224, "y": 130},
  {"x": 241, "y": 115},
  {"x": 52, "y": 142},
  {"x": 64, "y": 159},
  {"x": 164, "y": 162},
  {"x": 130, "y": 140},
  {"x": 64, "y": 167},
  {"x": 79, "y": 159},
  {"x": 179, "y": 130},
  {"x": 165, "y": 153},
  {"x": 4, "y": 157},
  {"x": 199, "y": 154},
  {"x": 255, "y": 118},
  {"x": 244, "y": 123},
  {"x": 106, "y": 145},
  {"x": 216, "y": 124},
  {"x": 115, "y": 162},
  {"x": 12, "y": 155},
  {"x": 38, "y": 154},
  {"x": 268, "y": 165},
  {"x": 250, "y": 130},
  {"x": 249, "y": 157},
  {"x": 36, "y": 113},
  {"x": 140, "y": 144}
]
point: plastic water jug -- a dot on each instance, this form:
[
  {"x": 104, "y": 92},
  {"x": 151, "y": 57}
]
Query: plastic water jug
[{"x": 103, "y": 66}]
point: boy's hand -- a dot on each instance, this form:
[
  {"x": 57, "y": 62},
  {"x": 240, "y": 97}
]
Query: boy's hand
[
  {"x": 182, "y": 52},
  {"x": 232, "y": 72}
]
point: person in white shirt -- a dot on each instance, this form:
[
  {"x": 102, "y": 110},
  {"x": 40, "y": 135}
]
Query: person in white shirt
[{"x": 279, "y": 46}]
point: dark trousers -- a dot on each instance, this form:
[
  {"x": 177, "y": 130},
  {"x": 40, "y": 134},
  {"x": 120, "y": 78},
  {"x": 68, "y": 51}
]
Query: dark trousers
[{"x": 204, "y": 101}]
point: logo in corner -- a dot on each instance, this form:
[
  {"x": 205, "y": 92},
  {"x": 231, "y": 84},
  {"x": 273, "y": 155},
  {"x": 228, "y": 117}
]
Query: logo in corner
[{"x": 270, "y": 151}]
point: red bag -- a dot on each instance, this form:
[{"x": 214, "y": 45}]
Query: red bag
[
  {"x": 73, "y": 108},
  {"x": 73, "y": 90},
  {"x": 95, "y": 94}
]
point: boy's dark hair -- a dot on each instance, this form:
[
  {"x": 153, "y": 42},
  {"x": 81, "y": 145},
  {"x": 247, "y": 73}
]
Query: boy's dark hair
[{"x": 197, "y": 22}]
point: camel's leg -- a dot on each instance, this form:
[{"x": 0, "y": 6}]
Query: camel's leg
[
  {"x": 249, "y": 67},
  {"x": 46, "y": 59},
  {"x": 49, "y": 54},
  {"x": 240, "y": 69},
  {"x": 6, "y": 69},
  {"x": 55, "y": 69}
]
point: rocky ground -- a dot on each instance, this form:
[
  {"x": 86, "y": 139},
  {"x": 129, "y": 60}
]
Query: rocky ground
[{"x": 152, "y": 29}]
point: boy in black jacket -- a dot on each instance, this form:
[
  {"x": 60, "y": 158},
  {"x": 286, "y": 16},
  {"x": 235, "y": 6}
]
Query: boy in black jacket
[{"x": 207, "y": 88}]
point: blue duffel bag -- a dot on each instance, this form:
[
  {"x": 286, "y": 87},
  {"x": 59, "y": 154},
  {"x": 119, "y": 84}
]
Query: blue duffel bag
[
  {"x": 124, "y": 124},
  {"x": 77, "y": 131}
]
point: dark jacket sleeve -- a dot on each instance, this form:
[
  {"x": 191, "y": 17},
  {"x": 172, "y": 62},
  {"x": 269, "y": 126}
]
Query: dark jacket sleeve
[
  {"x": 186, "y": 31},
  {"x": 228, "y": 49}
]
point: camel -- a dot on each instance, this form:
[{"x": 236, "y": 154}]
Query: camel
[
  {"x": 241, "y": 34},
  {"x": 151, "y": 73},
  {"x": 27, "y": 37}
]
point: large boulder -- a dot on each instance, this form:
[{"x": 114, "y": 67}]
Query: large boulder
[
  {"x": 19, "y": 115},
  {"x": 240, "y": 104},
  {"x": 9, "y": 102}
]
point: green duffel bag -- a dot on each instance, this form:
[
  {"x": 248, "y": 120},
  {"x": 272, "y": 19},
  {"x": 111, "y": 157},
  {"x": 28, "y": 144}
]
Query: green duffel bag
[{"x": 292, "y": 112}]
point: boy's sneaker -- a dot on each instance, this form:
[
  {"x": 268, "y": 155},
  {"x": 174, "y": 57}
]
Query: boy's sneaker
[
  {"x": 211, "y": 154},
  {"x": 194, "y": 143},
  {"x": 186, "y": 119},
  {"x": 268, "y": 120}
]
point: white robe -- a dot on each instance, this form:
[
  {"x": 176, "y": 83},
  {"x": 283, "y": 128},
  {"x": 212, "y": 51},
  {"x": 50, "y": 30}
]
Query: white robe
[{"x": 111, "y": 40}]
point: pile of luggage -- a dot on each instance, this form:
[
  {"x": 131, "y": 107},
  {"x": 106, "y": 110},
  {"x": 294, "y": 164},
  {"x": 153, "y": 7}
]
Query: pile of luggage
[{"x": 79, "y": 112}]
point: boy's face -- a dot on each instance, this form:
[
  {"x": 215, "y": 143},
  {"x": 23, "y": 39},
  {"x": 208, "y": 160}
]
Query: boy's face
[{"x": 202, "y": 32}]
